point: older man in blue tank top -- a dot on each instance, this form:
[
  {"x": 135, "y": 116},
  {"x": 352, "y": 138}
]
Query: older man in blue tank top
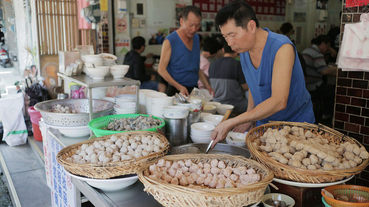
[
  {"x": 180, "y": 55},
  {"x": 272, "y": 71}
]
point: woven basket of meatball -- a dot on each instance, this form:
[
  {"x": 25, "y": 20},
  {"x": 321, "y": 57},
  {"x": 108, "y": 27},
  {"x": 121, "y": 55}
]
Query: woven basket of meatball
[
  {"x": 113, "y": 155},
  {"x": 307, "y": 153},
  {"x": 206, "y": 180}
]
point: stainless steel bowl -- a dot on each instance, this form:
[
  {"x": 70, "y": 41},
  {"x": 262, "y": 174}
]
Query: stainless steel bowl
[
  {"x": 81, "y": 118},
  {"x": 218, "y": 149}
]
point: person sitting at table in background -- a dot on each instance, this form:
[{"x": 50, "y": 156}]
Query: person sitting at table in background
[
  {"x": 271, "y": 68},
  {"x": 180, "y": 55},
  {"x": 136, "y": 64},
  {"x": 317, "y": 72},
  {"x": 210, "y": 49},
  {"x": 227, "y": 80}
]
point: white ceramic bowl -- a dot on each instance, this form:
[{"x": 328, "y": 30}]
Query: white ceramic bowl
[
  {"x": 277, "y": 196},
  {"x": 112, "y": 184},
  {"x": 98, "y": 73},
  {"x": 175, "y": 112},
  {"x": 119, "y": 71},
  {"x": 74, "y": 132},
  {"x": 213, "y": 119},
  {"x": 236, "y": 138},
  {"x": 223, "y": 108},
  {"x": 214, "y": 103},
  {"x": 108, "y": 59},
  {"x": 127, "y": 108},
  {"x": 209, "y": 108},
  {"x": 96, "y": 60},
  {"x": 202, "y": 126},
  {"x": 203, "y": 115},
  {"x": 196, "y": 139}
]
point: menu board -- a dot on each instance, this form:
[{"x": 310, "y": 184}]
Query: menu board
[
  {"x": 261, "y": 7},
  {"x": 63, "y": 191}
]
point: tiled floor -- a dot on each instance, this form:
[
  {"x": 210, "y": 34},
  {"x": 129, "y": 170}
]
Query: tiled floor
[{"x": 27, "y": 174}]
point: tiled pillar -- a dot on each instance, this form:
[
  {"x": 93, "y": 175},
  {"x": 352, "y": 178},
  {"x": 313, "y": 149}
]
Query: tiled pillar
[{"x": 352, "y": 99}]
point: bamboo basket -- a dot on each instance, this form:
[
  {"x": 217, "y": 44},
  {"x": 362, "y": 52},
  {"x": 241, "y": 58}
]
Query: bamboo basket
[
  {"x": 284, "y": 171},
  {"x": 111, "y": 169},
  {"x": 177, "y": 196}
]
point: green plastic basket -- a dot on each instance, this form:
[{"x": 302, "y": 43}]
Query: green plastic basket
[{"x": 97, "y": 125}]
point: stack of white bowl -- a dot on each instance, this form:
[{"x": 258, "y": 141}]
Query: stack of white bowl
[
  {"x": 125, "y": 104},
  {"x": 159, "y": 103},
  {"x": 201, "y": 131},
  {"x": 142, "y": 100},
  {"x": 93, "y": 60},
  {"x": 213, "y": 119},
  {"x": 150, "y": 106}
]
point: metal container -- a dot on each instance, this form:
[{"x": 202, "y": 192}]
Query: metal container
[
  {"x": 176, "y": 131},
  {"x": 62, "y": 96}
]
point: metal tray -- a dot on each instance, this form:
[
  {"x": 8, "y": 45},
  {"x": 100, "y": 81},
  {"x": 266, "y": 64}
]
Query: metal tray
[{"x": 218, "y": 149}]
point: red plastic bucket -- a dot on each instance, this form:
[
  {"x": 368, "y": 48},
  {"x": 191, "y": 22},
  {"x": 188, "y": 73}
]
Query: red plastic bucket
[
  {"x": 36, "y": 132},
  {"x": 34, "y": 115}
]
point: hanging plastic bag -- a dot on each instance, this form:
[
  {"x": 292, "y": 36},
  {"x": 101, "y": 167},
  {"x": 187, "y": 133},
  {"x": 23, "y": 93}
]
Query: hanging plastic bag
[{"x": 11, "y": 115}]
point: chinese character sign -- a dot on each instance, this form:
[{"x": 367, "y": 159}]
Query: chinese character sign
[{"x": 353, "y": 3}]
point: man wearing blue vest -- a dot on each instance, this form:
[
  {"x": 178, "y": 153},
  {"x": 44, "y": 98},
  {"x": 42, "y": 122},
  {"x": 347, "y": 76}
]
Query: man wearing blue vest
[
  {"x": 272, "y": 71},
  {"x": 180, "y": 55}
]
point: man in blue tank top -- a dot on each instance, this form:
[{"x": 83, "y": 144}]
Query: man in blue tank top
[
  {"x": 180, "y": 55},
  {"x": 272, "y": 71}
]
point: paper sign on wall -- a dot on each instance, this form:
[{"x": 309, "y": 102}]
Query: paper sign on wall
[
  {"x": 353, "y": 3},
  {"x": 104, "y": 5}
]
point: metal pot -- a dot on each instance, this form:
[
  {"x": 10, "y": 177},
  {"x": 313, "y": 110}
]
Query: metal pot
[
  {"x": 62, "y": 96},
  {"x": 176, "y": 131}
]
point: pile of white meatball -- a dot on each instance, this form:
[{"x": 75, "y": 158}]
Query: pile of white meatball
[
  {"x": 117, "y": 148},
  {"x": 215, "y": 174},
  {"x": 63, "y": 109}
]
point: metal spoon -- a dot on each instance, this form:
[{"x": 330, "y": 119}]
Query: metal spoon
[{"x": 225, "y": 117}]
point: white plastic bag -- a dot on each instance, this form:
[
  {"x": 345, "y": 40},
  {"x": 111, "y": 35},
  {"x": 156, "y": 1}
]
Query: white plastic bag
[{"x": 11, "y": 115}]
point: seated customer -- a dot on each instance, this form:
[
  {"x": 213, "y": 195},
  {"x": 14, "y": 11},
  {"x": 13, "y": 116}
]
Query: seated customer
[
  {"x": 137, "y": 67},
  {"x": 227, "y": 80},
  {"x": 317, "y": 71}
]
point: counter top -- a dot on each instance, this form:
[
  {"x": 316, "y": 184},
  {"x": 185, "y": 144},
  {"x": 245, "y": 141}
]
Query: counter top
[{"x": 132, "y": 196}]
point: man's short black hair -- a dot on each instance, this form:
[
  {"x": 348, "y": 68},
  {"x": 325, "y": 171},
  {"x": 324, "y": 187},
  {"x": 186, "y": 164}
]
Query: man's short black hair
[
  {"x": 195, "y": 10},
  {"x": 211, "y": 45},
  {"x": 240, "y": 11},
  {"x": 286, "y": 28},
  {"x": 138, "y": 42},
  {"x": 226, "y": 47}
]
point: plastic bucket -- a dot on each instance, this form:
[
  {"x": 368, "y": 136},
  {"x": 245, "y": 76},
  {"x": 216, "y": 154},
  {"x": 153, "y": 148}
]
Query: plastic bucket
[
  {"x": 36, "y": 132},
  {"x": 34, "y": 115}
]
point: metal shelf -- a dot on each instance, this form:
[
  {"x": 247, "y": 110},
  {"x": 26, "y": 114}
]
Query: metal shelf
[{"x": 90, "y": 83}]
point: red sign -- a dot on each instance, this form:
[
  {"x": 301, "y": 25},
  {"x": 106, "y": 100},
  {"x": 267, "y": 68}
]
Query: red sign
[{"x": 353, "y": 3}]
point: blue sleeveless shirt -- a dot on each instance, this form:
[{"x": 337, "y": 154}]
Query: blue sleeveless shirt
[
  {"x": 299, "y": 107},
  {"x": 184, "y": 64}
]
